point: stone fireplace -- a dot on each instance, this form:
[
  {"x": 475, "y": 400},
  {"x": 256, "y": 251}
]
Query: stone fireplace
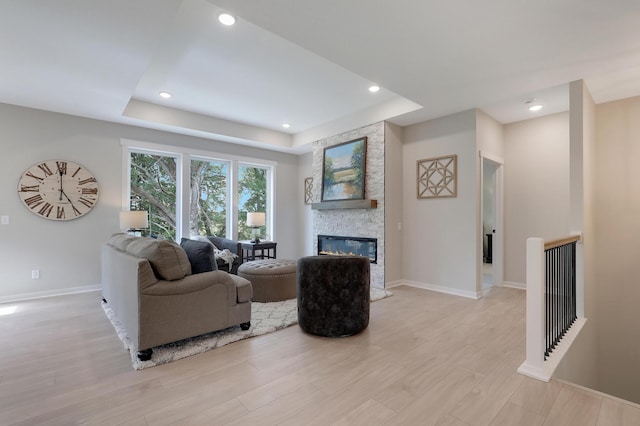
[
  {"x": 357, "y": 223},
  {"x": 348, "y": 246}
]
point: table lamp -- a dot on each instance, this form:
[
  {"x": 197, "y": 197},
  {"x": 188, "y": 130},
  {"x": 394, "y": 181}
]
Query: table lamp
[
  {"x": 134, "y": 221},
  {"x": 255, "y": 220}
]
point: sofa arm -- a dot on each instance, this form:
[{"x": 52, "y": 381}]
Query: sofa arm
[{"x": 244, "y": 289}]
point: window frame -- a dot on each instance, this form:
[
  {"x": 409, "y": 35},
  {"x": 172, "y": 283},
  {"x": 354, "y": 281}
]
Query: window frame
[
  {"x": 183, "y": 156},
  {"x": 269, "y": 190}
]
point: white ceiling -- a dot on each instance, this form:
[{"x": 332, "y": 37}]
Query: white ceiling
[{"x": 309, "y": 63}]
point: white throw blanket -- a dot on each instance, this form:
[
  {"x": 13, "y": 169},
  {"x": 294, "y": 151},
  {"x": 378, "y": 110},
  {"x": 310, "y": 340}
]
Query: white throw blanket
[{"x": 225, "y": 255}]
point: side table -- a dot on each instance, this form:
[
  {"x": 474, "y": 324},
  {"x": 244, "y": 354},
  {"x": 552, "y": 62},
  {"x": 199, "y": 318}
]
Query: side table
[{"x": 261, "y": 250}]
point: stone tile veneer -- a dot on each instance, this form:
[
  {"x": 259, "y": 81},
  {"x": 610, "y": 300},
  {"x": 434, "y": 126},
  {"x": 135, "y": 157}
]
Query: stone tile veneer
[{"x": 355, "y": 222}]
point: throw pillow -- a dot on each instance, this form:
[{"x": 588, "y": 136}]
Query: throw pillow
[
  {"x": 200, "y": 255},
  {"x": 168, "y": 260}
]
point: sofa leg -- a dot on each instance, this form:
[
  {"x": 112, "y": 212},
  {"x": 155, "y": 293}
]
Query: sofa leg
[
  {"x": 145, "y": 355},
  {"x": 245, "y": 325}
]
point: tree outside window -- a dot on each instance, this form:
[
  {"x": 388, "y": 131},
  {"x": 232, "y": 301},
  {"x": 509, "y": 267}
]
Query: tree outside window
[
  {"x": 252, "y": 188},
  {"x": 208, "y": 208},
  {"x": 153, "y": 188}
]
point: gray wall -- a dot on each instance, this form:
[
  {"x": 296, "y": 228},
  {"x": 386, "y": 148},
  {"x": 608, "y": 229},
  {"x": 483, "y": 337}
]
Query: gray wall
[
  {"x": 617, "y": 252},
  {"x": 441, "y": 236},
  {"x": 68, "y": 253},
  {"x": 580, "y": 365},
  {"x": 536, "y": 187},
  {"x": 393, "y": 203},
  {"x": 305, "y": 214}
]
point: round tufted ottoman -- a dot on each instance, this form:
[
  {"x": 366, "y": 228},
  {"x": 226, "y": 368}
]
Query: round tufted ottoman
[
  {"x": 273, "y": 280},
  {"x": 333, "y": 295}
]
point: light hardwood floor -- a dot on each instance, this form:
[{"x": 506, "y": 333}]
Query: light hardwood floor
[{"x": 426, "y": 359}]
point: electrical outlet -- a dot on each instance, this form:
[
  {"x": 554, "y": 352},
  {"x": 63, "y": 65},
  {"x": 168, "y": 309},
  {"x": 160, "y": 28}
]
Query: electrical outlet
[
  {"x": 4, "y": 220},
  {"x": 35, "y": 274}
]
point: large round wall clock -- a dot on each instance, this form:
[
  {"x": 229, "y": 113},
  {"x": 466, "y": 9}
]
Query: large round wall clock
[{"x": 58, "y": 189}]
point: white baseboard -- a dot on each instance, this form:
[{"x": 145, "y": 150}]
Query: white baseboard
[
  {"x": 50, "y": 293},
  {"x": 599, "y": 393},
  {"x": 511, "y": 284},
  {"x": 392, "y": 284},
  {"x": 441, "y": 289}
]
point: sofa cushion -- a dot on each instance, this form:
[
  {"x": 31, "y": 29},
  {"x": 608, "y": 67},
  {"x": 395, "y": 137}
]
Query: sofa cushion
[
  {"x": 168, "y": 260},
  {"x": 120, "y": 241},
  {"x": 200, "y": 254}
]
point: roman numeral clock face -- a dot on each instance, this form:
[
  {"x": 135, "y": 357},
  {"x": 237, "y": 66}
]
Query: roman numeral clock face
[{"x": 58, "y": 190}]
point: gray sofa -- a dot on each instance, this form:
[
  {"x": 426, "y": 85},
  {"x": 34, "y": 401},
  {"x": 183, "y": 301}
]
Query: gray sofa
[{"x": 150, "y": 288}]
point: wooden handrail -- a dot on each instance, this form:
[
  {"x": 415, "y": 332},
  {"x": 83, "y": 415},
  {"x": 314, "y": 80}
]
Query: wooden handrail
[{"x": 548, "y": 245}]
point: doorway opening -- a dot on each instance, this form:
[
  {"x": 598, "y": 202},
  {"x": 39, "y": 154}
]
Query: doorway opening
[{"x": 491, "y": 223}]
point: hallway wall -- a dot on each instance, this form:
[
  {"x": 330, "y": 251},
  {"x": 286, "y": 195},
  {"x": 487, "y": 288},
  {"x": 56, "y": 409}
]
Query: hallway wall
[
  {"x": 536, "y": 186},
  {"x": 617, "y": 224},
  {"x": 440, "y": 234}
]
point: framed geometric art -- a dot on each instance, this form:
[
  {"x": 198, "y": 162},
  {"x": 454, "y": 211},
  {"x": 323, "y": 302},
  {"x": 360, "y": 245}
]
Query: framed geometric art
[
  {"x": 308, "y": 190},
  {"x": 437, "y": 177}
]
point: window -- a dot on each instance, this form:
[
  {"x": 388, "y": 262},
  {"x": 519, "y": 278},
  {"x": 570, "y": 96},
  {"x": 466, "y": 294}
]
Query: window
[
  {"x": 153, "y": 188},
  {"x": 252, "y": 185},
  {"x": 198, "y": 193},
  {"x": 209, "y": 200}
]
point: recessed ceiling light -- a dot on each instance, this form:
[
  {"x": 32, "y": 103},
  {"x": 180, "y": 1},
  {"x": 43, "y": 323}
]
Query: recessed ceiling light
[
  {"x": 226, "y": 19},
  {"x": 286, "y": 125},
  {"x": 374, "y": 88},
  {"x": 534, "y": 108},
  {"x": 165, "y": 95}
]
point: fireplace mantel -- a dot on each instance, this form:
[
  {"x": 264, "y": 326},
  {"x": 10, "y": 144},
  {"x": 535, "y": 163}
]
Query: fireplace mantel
[{"x": 345, "y": 204}]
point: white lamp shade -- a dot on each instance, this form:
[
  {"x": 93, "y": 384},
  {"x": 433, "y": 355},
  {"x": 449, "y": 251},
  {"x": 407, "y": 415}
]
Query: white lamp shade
[
  {"x": 134, "y": 219},
  {"x": 255, "y": 220}
]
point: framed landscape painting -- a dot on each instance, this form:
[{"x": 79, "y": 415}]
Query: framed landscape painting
[{"x": 343, "y": 171}]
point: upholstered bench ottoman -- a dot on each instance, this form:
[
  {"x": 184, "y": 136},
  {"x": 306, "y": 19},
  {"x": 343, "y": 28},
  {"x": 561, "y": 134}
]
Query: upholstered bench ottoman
[{"x": 273, "y": 280}]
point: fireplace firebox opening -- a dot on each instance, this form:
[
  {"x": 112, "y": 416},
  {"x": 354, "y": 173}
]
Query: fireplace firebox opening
[{"x": 348, "y": 246}]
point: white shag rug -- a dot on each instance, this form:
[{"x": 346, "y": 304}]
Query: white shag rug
[{"x": 265, "y": 318}]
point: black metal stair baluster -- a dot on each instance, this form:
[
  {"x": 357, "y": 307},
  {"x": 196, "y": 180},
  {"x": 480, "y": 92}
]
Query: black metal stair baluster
[
  {"x": 547, "y": 307},
  {"x": 560, "y": 293}
]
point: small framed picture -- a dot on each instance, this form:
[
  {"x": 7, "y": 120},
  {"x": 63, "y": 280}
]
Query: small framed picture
[{"x": 308, "y": 190}]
